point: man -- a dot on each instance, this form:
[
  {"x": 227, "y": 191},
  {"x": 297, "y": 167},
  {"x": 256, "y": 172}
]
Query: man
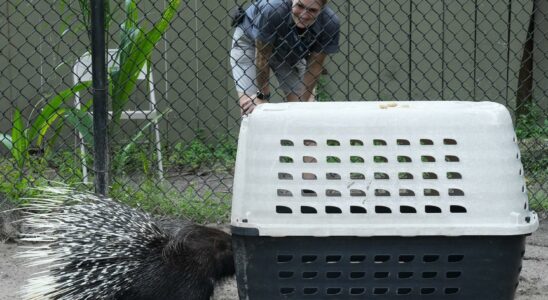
[{"x": 291, "y": 37}]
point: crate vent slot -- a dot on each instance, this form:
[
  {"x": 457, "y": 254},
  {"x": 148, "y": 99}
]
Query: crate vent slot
[
  {"x": 428, "y": 158},
  {"x": 333, "y": 143},
  {"x": 405, "y": 275},
  {"x": 405, "y": 209},
  {"x": 284, "y": 193},
  {"x": 452, "y": 158},
  {"x": 357, "y": 291},
  {"x": 381, "y": 275},
  {"x": 332, "y": 210},
  {"x": 357, "y": 210},
  {"x": 451, "y": 291},
  {"x": 333, "y": 291},
  {"x": 429, "y": 175},
  {"x": 402, "y": 142},
  {"x": 332, "y": 176},
  {"x": 355, "y": 142},
  {"x": 382, "y": 210},
  {"x": 310, "y": 291},
  {"x": 405, "y": 175},
  {"x": 404, "y": 291},
  {"x": 457, "y": 209},
  {"x": 405, "y": 258},
  {"x": 357, "y": 176},
  {"x": 427, "y": 291},
  {"x": 453, "y": 274},
  {"x": 284, "y": 258},
  {"x": 283, "y": 210},
  {"x": 381, "y": 258},
  {"x": 406, "y": 193},
  {"x": 404, "y": 159},
  {"x": 309, "y": 176},
  {"x": 332, "y": 193},
  {"x": 333, "y": 159},
  {"x": 430, "y": 258},
  {"x": 356, "y": 159},
  {"x": 333, "y": 275},
  {"x": 308, "y": 210},
  {"x": 308, "y": 193},
  {"x": 309, "y": 159},
  {"x": 285, "y": 274},
  {"x": 455, "y": 192},
  {"x": 286, "y": 143},
  {"x": 331, "y": 259},
  {"x": 431, "y": 192},
  {"x": 449, "y": 141},
  {"x": 454, "y": 175},
  {"x": 357, "y": 275},
  {"x": 382, "y": 193},
  {"x": 380, "y": 159},
  {"x": 356, "y": 259},
  {"x": 429, "y": 274},
  {"x": 380, "y": 291},
  {"x": 381, "y": 176},
  {"x": 309, "y": 142},
  {"x": 309, "y": 274},
  {"x": 287, "y": 291},
  {"x": 455, "y": 258},
  {"x": 308, "y": 259},
  {"x": 431, "y": 209},
  {"x": 426, "y": 142},
  {"x": 379, "y": 142},
  {"x": 286, "y": 160},
  {"x": 357, "y": 193},
  {"x": 285, "y": 176}
]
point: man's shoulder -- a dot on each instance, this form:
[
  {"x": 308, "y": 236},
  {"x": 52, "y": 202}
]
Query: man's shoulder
[
  {"x": 273, "y": 6},
  {"x": 329, "y": 18}
]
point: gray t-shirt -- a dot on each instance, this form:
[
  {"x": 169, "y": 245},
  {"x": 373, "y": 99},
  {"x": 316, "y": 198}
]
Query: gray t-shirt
[{"x": 270, "y": 21}]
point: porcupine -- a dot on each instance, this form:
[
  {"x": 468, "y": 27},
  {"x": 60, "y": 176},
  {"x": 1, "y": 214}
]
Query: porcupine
[{"x": 101, "y": 249}]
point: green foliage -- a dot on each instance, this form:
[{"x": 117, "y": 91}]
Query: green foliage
[
  {"x": 225, "y": 152},
  {"x": 534, "y": 124},
  {"x": 191, "y": 156},
  {"x": 321, "y": 90}
]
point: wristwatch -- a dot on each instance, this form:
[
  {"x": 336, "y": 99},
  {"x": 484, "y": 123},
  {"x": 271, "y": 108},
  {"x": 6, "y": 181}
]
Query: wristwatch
[{"x": 262, "y": 96}]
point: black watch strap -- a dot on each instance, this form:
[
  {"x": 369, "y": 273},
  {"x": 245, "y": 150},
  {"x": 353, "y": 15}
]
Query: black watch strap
[{"x": 262, "y": 96}]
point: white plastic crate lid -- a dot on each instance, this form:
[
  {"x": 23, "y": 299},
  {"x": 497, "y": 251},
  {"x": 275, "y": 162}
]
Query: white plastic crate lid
[{"x": 380, "y": 169}]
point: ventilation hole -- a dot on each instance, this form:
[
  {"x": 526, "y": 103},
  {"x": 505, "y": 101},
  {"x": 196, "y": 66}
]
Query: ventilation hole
[
  {"x": 522, "y": 253},
  {"x": 310, "y": 291},
  {"x": 308, "y": 193},
  {"x": 525, "y": 205},
  {"x": 381, "y": 275},
  {"x": 333, "y": 159},
  {"x": 404, "y": 159},
  {"x": 283, "y": 210},
  {"x": 457, "y": 209},
  {"x": 455, "y": 192},
  {"x": 454, "y": 175},
  {"x": 287, "y": 291},
  {"x": 431, "y": 209},
  {"x": 333, "y": 143},
  {"x": 381, "y": 176},
  {"x": 333, "y": 291},
  {"x": 356, "y": 159},
  {"x": 430, "y": 258},
  {"x": 357, "y": 193},
  {"x": 285, "y": 176},
  {"x": 429, "y": 175},
  {"x": 520, "y": 172},
  {"x": 380, "y": 159},
  {"x": 405, "y": 275},
  {"x": 523, "y": 188},
  {"x": 431, "y": 192},
  {"x": 285, "y": 274},
  {"x": 404, "y": 291},
  {"x": 380, "y": 291},
  {"x": 309, "y": 159},
  {"x": 331, "y": 259},
  {"x": 286, "y": 159},
  {"x": 382, "y": 193},
  {"x": 453, "y": 274},
  {"x": 286, "y": 143},
  {"x": 449, "y": 142},
  {"x": 357, "y": 259},
  {"x": 406, "y": 193},
  {"x": 356, "y": 143},
  {"x": 427, "y": 158},
  {"x": 357, "y": 291},
  {"x": 426, "y": 142},
  {"x": 402, "y": 259},
  {"x": 284, "y": 193},
  {"x": 310, "y": 275},
  {"x": 427, "y": 291},
  {"x": 357, "y": 210},
  {"x": 309, "y": 176},
  {"x": 333, "y": 275},
  {"x": 332, "y": 176},
  {"x": 404, "y": 209},
  {"x": 429, "y": 274},
  {"x": 307, "y": 259},
  {"x": 284, "y": 258},
  {"x": 332, "y": 210},
  {"x": 381, "y": 258},
  {"x": 405, "y": 175},
  {"x": 332, "y": 193},
  {"x": 517, "y": 155},
  {"x": 310, "y": 143},
  {"x": 308, "y": 210},
  {"x": 382, "y": 210},
  {"x": 402, "y": 142},
  {"x": 451, "y": 291},
  {"x": 378, "y": 142},
  {"x": 357, "y": 176},
  {"x": 455, "y": 258},
  {"x": 451, "y": 158}
]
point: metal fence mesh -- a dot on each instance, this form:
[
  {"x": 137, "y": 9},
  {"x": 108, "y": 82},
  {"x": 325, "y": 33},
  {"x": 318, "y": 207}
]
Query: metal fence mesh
[{"x": 174, "y": 118}]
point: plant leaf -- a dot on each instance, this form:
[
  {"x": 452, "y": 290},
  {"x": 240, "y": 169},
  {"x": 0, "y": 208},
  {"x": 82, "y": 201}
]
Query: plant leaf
[
  {"x": 82, "y": 121},
  {"x": 19, "y": 139}
]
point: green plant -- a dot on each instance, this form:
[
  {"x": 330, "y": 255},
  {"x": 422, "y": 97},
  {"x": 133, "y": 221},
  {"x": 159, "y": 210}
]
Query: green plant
[
  {"x": 191, "y": 156},
  {"x": 533, "y": 124},
  {"x": 321, "y": 89},
  {"x": 225, "y": 152}
]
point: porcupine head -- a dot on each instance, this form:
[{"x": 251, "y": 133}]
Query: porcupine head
[{"x": 90, "y": 247}]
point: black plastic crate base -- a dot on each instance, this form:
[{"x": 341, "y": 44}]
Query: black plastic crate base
[{"x": 467, "y": 268}]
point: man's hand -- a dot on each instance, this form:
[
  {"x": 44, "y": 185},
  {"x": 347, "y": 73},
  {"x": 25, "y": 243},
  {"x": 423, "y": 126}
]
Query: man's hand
[{"x": 248, "y": 104}]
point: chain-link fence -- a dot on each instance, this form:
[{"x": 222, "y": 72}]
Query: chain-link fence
[{"x": 175, "y": 106}]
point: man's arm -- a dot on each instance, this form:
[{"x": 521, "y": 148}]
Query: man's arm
[
  {"x": 262, "y": 56},
  {"x": 313, "y": 71}
]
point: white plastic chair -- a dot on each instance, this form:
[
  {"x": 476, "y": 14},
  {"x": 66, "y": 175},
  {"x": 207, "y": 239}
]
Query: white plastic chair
[{"x": 82, "y": 72}]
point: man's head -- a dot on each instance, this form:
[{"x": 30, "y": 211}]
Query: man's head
[{"x": 305, "y": 12}]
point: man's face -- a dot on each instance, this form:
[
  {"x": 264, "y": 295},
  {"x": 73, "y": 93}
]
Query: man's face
[{"x": 305, "y": 12}]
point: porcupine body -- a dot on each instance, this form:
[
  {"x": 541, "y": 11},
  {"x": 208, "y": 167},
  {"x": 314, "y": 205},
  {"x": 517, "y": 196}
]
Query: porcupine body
[{"x": 100, "y": 249}]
